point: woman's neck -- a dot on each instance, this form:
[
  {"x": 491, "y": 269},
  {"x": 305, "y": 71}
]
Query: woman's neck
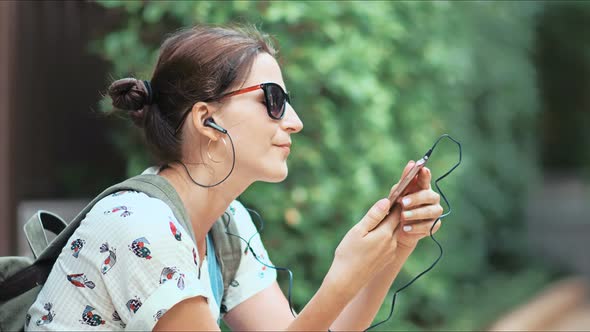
[{"x": 203, "y": 205}]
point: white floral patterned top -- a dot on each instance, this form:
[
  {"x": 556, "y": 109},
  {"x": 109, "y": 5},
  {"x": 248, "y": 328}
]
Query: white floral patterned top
[{"x": 130, "y": 261}]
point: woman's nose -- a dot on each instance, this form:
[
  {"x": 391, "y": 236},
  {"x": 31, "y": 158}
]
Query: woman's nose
[{"x": 291, "y": 121}]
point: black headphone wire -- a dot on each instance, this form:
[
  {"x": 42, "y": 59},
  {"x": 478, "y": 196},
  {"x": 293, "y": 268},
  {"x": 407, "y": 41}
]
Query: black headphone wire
[
  {"x": 433, "y": 225},
  {"x": 249, "y": 248},
  {"x": 233, "y": 164}
]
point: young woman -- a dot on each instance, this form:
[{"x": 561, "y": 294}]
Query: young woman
[{"x": 217, "y": 117}]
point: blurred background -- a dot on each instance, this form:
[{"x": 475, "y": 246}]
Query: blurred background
[{"x": 375, "y": 83}]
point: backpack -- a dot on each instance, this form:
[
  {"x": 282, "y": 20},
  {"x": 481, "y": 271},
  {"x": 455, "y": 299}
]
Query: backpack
[{"x": 21, "y": 278}]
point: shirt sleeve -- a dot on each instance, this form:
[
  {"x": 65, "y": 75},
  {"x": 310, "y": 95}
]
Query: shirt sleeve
[
  {"x": 252, "y": 275},
  {"x": 146, "y": 259}
]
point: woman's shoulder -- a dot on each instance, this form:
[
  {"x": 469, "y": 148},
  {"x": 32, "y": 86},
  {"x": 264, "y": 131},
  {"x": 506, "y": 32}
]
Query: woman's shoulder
[
  {"x": 128, "y": 202},
  {"x": 126, "y": 208}
]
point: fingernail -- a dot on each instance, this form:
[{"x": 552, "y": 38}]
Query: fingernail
[
  {"x": 407, "y": 228},
  {"x": 383, "y": 204},
  {"x": 406, "y": 201},
  {"x": 408, "y": 214}
]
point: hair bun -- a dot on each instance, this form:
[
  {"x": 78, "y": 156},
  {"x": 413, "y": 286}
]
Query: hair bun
[{"x": 129, "y": 94}]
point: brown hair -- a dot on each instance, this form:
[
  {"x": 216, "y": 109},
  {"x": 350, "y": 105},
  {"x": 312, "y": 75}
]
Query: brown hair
[{"x": 196, "y": 64}]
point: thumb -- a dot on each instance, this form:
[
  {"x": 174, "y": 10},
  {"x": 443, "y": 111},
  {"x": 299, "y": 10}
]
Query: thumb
[{"x": 375, "y": 215}]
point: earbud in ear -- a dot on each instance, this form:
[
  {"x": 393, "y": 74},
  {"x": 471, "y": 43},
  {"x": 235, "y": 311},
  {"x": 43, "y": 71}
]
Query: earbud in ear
[{"x": 210, "y": 123}]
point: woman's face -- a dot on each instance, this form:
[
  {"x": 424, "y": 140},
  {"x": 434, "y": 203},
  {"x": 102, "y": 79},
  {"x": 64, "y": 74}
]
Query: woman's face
[{"x": 262, "y": 144}]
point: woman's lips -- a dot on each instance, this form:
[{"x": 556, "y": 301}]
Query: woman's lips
[{"x": 285, "y": 147}]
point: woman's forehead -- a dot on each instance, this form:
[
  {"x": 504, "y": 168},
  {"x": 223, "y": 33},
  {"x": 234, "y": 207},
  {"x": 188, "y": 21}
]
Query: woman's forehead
[{"x": 265, "y": 69}]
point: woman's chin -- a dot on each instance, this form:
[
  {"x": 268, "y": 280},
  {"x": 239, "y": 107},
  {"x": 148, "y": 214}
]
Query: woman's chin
[{"x": 276, "y": 175}]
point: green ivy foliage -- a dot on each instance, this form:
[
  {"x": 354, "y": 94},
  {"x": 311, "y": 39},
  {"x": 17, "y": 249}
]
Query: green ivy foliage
[{"x": 375, "y": 84}]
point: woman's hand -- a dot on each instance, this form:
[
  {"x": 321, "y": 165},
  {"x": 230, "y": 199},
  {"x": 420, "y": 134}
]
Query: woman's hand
[
  {"x": 391, "y": 254},
  {"x": 420, "y": 209},
  {"x": 365, "y": 249}
]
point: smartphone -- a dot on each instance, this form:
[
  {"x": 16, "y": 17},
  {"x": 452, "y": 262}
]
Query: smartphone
[{"x": 394, "y": 195}]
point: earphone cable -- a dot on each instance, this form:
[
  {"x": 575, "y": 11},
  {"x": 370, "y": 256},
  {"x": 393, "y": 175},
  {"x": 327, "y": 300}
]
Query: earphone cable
[
  {"x": 278, "y": 268},
  {"x": 233, "y": 164},
  {"x": 431, "y": 228}
]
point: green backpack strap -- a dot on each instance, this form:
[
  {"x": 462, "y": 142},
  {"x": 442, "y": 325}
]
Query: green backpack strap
[
  {"x": 224, "y": 234},
  {"x": 36, "y": 226},
  {"x": 153, "y": 185}
]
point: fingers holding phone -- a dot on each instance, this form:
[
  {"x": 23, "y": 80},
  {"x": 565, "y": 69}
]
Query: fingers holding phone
[
  {"x": 419, "y": 198},
  {"x": 419, "y": 203},
  {"x": 422, "y": 204}
]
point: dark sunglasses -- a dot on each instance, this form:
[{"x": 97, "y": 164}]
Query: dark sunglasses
[{"x": 275, "y": 97}]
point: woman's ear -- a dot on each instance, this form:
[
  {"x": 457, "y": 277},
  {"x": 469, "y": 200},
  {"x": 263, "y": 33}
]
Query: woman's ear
[{"x": 200, "y": 112}]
